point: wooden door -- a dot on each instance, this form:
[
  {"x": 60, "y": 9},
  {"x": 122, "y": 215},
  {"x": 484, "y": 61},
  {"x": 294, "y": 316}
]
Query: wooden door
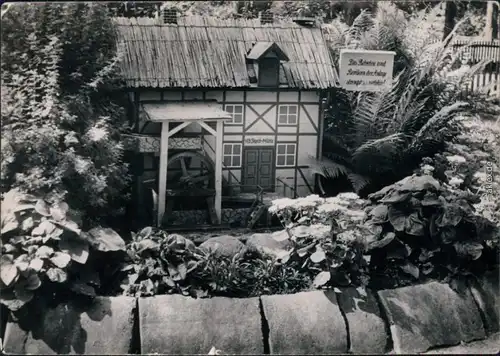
[{"x": 258, "y": 169}]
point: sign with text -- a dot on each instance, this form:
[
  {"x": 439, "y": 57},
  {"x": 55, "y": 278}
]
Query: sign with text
[
  {"x": 259, "y": 141},
  {"x": 363, "y": 70}
]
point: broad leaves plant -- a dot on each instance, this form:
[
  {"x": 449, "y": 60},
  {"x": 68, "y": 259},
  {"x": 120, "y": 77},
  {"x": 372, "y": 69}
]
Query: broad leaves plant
[
  {"x": 159, "y": 263},
  {"x": 162, "y": 263},
  {"x": 426, "y": 230},
  {"x": 41, "y": 244},
  {"x": 327, "y": 236}
]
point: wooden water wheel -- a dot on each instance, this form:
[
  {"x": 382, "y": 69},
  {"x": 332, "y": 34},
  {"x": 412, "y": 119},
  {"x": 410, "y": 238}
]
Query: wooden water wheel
[
  {"x": 190, "y": 181},
  {"x": 188, "y": 188}
]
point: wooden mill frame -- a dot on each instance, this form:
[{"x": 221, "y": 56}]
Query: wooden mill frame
[{"x": 166, "y": 133}]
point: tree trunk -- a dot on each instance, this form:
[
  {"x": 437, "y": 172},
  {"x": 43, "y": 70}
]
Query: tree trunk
[
  {"x": 491, "y": 27},
  {"x": 449, "y": 18},
  {"x": 495, "y": 20}
]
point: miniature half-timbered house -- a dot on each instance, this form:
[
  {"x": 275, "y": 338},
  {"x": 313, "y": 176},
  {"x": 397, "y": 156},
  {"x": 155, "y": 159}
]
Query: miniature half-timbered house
[{"x": 223, "y": 110}]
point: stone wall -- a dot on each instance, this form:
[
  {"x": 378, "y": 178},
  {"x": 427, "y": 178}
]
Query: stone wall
[{"x": 404, "y": 320}]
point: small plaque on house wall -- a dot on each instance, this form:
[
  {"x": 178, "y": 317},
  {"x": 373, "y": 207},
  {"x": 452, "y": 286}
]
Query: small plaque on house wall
[
  {"x": 363, "y": 70},
  {"x": 259, "y": 141}
]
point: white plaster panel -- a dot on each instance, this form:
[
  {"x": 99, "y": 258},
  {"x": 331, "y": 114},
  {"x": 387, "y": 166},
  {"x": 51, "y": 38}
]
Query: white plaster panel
[
  {"x": 287, "y": 129},
  {"x": 260, "y": 127},
  {"x": 287, "y": 138},
  {"x": 262, "y": 96},
  {"x": 289, "y": 96},
  {"x": 234, "y": 96},
  {"x": 236, "y": 175},
  {"x": 270, "y": 117},
  {"x": 233, "y": 129},
  {"x": 232, "y": 138},
  {"x": 308, "y": 145},
  {"x": 250, "y": 115},
  {"x": 305, "y": 125},
  {"x": 309, "y": 96},
  {"x": 285, "y": 174},
  {"x": 288, "y": 179}
]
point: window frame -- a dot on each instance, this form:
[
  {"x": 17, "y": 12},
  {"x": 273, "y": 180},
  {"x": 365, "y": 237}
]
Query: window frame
[
  {"x": 286, "y": 154},
  {"x": 288, "y": 114},
  {"x": 233, "y": 113},
  {"x": 269, "y": 66},
  {"x": 232, "y": 155}
]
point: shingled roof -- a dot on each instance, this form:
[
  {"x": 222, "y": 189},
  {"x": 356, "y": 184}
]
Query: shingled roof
[{"x": 203, "y": 52}]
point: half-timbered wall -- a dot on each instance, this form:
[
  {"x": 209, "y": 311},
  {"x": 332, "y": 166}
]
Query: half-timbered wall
[{"x": 286, "y": 123}]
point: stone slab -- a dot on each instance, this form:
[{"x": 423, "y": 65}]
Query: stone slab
[
  {"x": 490, "y": 346},
  {"x": 305, "y": 323},
  {"x": 430, "y": 315},
  {"x": 104, "y": 327},
  {"x": 174, "y": 324},
  {"x": 367, "y": 329},
  {"x": 486, "y": 292}
]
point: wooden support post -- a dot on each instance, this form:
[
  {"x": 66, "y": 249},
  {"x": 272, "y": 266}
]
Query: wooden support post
[
  {"x": 218, "y": 169},
  {"x": 162, "y": 181}
]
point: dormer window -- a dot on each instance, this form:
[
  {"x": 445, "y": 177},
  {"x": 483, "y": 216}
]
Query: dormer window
[{"x": 265, "y": 58}]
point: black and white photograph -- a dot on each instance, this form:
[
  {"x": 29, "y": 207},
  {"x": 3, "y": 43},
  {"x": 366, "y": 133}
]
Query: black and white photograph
[{"x": 310, "y": 177}]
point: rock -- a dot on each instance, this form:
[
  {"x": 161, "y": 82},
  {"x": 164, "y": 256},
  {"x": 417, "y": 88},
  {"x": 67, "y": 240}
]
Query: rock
[
  {"x": 430, "y": 315},
  {"x": 486, "y": 292},
  {"x": 305, "y": 323},
  {"x": 482, "y": 347},
  {"x": 178, "y": 325},
  {"x": 265, "y": 244},
  {"x": 367, "y": 329},
  {"x": 224, "y": 245},
  {"x": 103, "y": 327}
]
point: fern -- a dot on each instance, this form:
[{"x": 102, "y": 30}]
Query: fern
[{"x": 372, "y": 137}]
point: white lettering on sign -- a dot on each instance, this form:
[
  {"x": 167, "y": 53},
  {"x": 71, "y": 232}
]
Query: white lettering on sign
[
  {"x": 362, "y": 70},
  {"x": 259, "y": 141}
]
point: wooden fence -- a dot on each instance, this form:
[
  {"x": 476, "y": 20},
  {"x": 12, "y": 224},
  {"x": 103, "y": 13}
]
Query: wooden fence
[
  {"x": 478, "y": 50},
  {"x": 488, "y": 81}
]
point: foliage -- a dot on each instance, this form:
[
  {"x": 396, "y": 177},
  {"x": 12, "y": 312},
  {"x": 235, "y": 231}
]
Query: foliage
[
  {"x": 427, "y": 230},
  {"x": 328, "y": 238},
  {"x": 164, "y": 264},
  {"x": 413, "y": 230},
  {"x": 43, "y": 245},
  {"x": 368, "y": 135},
  {"x": 61, "y": 115},
  {"x": 471, "y": 162}
]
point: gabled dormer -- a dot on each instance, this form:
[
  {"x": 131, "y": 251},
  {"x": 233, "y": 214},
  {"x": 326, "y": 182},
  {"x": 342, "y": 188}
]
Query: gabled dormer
[{"x": 264, "y": 60}]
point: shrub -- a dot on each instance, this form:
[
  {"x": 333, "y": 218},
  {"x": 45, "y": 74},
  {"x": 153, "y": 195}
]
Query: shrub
[
  {"x": 327, "y": 236},
  {"x": 160, "y": 263},
  {"x": 375, "y": 139},
  {"x": 426, "y": 230},
  {"x": 61, "y": 116},
  {"x": 43, "y": 246},
  {"x": 471, "y": 161}
]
